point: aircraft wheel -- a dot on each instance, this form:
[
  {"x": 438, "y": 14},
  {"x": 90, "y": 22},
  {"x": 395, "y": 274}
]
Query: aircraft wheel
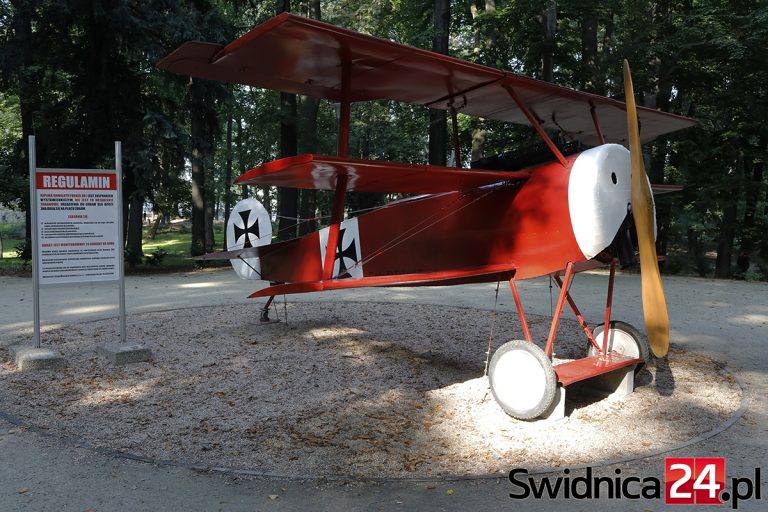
[
  {"x": 522, "y": 379},
  {"x": 624, "y": 339}
]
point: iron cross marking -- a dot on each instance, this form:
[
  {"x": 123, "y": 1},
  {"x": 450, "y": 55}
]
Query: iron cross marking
[
  {"x": 252, "y": 229},
  {"x": 349, "y": 253}
]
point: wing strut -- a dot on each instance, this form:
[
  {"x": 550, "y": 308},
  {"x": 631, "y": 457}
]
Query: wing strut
[
  {"x": 333, "y": 233},
  {"x": 536, "y": 124},
  {"x": 340, "y": 192},
  {"x": 596, "y": 122}
]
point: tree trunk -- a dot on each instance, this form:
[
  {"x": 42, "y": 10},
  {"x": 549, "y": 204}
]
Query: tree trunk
[
  {"x": 211, "y": 197},
  {"x": 438, "y": 119},
  {"x": 228, "y": 179},
  {"x": 155, "y": 225},
  {"x": 656, "y": 155},
  {"x": 549, "y": 25},
  {"x": 135, "y": 225},
  {"x": 287, "y": 198},
  {"x": 308, "y": 201},
  {"x": 210, "y": 202},
  {"x": 750, "y": 233},
  {"x": 309, "y": 111},
  {"x": 727, "y": 235},
  {"x": 479, "y": 132},
  {"x": 588, "y": 49},
  {"x": 241, "y": 158},
  {"x": 197, "y": 131},
  {"x": 27, "y": 91}
]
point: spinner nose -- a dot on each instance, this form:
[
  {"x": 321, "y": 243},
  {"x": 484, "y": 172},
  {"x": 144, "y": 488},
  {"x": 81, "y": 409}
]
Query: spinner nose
[{"x": 599, "y": 196}]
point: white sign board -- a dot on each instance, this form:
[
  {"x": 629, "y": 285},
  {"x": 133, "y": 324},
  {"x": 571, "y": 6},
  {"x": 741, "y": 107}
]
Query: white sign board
[{"x": 77, "y": 226}]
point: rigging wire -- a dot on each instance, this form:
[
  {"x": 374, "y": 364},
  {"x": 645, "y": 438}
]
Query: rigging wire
[
  {"x": 422, "y": 226},
  {"x": 490, "y": 336}
]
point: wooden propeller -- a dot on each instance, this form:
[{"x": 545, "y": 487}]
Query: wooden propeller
[{"x": 654, "y": 302}]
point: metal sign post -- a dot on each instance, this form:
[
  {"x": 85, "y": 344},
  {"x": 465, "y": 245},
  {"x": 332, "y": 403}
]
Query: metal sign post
[
  {"x": 78, "y": 236},
  {"x": 121, "y": 238},
  {"x": 33, "y": 240}
]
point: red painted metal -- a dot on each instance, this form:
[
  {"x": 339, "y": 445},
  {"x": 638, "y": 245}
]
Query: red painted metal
[
  {"x": 526, "y": 225},
  {"x": 559, "y": 309},
  {"x": 520, "y": 312},
  {"x": 578, "y": 314},
  {"x": 608, "y": 303},
  {"x": 588, "y": 367},
  {"x": 523, "y": 225},
  {"x": 536, "y": 125},
  {"x": 321, "y": 173},
  {"x": 298, "y": 55},
  {"x": 292, "y": 260},
  {"x": 339, "y": 199},
  {"x": 493, "y": 271}
]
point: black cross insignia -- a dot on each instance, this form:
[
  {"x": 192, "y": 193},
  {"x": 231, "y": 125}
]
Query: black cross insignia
[
  {"x": 252, "y": 229},
  {"x": 349, "y": 253}
]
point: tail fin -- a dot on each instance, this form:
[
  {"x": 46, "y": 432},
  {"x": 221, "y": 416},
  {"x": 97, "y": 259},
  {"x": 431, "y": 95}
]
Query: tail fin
[{"x": 249, "y": 225}]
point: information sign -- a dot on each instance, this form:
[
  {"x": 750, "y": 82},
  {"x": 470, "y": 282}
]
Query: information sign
[{"x": 77, "y": 226}]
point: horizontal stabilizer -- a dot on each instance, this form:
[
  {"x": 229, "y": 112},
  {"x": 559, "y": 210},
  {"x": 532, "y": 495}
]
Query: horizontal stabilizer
[
  {"x": 248, "y": 252},
  {"x": 321, "y": 172}
]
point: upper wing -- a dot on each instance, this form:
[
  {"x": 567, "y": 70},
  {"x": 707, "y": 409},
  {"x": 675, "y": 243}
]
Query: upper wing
[
  {"x": 303, "y": 56},
  {"x": 321, "y": 172}
]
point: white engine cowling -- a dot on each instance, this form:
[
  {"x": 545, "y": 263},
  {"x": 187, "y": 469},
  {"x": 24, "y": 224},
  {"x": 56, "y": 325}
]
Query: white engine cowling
[{"x": 599, "y": 196}]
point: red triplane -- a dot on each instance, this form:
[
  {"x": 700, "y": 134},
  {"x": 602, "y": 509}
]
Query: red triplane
[{"x": 509, "y": 217}]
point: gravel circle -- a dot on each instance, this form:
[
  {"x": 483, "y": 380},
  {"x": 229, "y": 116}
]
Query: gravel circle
[{"x": 352, "y": 389}]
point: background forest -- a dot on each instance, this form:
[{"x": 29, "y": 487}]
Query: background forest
[{"x": 80, "y": 74}]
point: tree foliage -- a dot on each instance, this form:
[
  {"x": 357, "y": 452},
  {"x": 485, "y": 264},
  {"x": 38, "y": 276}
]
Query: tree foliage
[{"x": 81, "y": 74}]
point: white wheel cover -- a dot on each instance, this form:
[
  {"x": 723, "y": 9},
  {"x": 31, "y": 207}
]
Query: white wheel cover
[
  {"x": 248, "y": 218},
  {"x": 619, "y": 341},
  {"x": 519, "y": 380}
]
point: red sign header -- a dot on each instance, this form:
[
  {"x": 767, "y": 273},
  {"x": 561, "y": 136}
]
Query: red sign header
[{"x": 76, "y": 181}]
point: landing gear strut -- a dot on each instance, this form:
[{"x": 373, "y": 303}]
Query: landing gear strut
[
  {"x": 522, "y": 376},
  {"x": 265, "y": 312}
]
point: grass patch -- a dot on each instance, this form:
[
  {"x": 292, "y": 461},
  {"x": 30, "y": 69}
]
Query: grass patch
[
  {"x": 9, "y": 247},
  {"x": 173, "y": 242},
  {"x": 9, "y": 263}
]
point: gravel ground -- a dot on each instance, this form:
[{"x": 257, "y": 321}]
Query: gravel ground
[{"x": 366, "y": 390}]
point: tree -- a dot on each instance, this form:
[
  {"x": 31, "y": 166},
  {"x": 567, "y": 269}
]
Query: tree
[
  {"x": 287, "y": 198},
  {"x": 438, "y": 122},
  {"x": 308, "y": 139}
]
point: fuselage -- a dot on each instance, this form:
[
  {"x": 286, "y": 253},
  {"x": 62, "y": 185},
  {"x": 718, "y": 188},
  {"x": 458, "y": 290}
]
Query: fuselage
[{"x": 560, "y": 214}]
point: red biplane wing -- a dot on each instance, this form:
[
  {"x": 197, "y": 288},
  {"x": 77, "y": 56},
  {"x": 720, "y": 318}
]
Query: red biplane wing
[
  {"x": 321, "y": 172},
  {"x": 299, "y": 55}
]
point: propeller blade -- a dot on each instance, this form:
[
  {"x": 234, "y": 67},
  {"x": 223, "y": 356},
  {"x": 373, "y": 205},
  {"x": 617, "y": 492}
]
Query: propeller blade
[{"x": 654, "y": 302}]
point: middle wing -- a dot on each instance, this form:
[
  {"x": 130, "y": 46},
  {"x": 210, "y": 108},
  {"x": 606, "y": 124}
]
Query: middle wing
[{"x": 321, "y": 172}]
